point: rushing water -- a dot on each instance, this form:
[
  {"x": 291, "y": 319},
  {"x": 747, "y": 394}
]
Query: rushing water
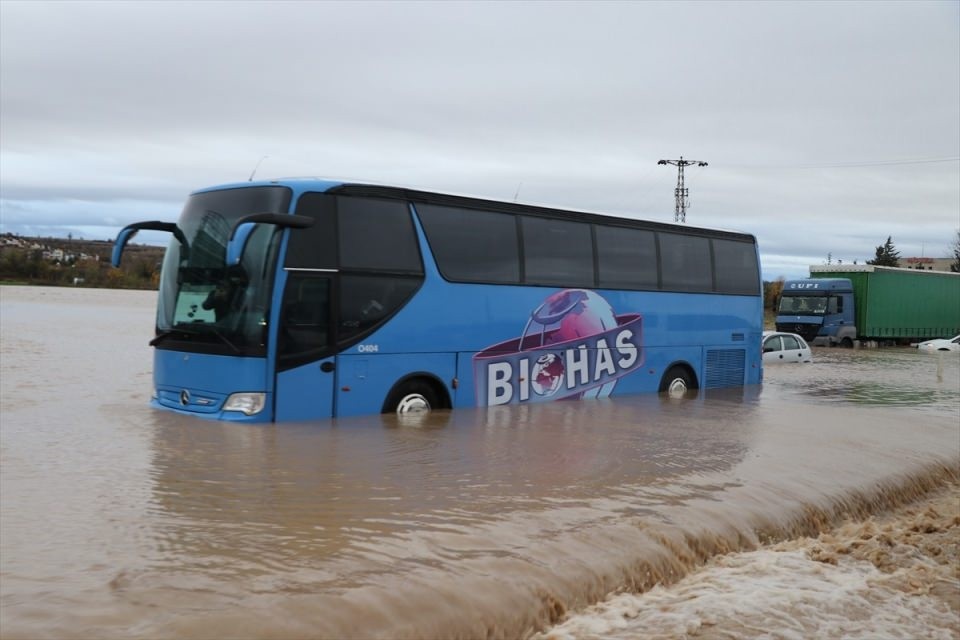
[{"x": 639, "y": 517}]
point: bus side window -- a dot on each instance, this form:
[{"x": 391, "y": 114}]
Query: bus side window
[
  {"x": 377, "y": 235},
  {"x": 367, "y": 300},
  {"x": 626, "y": 258},
  {"x": 735, "y": 266},
  {"x": 314, "y": 247},
  {"x": 557, "y": 252},
  {"x": 685, "y": 263},
  {"x": 470, "y": 245}
]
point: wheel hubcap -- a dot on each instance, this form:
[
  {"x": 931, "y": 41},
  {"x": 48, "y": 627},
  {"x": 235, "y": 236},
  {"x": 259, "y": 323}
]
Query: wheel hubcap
[
  {"x": 413, "y": 403},
  {"x": 677, "y": 388}
]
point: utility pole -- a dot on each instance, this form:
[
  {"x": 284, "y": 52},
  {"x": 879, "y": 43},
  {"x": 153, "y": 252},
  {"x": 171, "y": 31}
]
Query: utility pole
[{"x": 681, "y": 193}]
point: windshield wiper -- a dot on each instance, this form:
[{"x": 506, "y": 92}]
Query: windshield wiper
[
  {"x": 163, "y": 335},
  {"x": 208, "y": 329},
  {"x": 160, "y": 337}
]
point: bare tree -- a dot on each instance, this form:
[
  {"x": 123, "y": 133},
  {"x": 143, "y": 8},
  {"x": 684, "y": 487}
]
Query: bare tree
[{"x": 955, "y": 250}]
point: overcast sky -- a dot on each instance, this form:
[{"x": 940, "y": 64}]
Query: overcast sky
[{"x": 827, "y": 126}]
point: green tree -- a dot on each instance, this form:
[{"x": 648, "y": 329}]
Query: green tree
[{"x": 887, "y": 255}]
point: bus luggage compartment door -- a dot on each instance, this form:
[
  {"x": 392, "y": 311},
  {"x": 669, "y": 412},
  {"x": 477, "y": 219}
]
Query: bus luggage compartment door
[{"x": 307, "y": 392}]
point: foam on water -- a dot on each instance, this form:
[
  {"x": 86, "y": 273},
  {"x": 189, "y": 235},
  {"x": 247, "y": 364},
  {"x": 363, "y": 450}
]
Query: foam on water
[{"x": 892, "y": 577}]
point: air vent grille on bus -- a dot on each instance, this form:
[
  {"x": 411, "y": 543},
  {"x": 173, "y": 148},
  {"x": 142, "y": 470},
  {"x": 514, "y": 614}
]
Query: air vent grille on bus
[{"x": 725, "y": 367}]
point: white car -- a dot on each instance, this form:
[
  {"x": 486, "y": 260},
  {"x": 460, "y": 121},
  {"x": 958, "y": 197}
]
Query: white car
[
  {"x": 940, "y": 344},
  {"x": 785, "y": 347}
]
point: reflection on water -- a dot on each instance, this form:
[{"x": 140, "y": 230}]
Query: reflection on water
[
  {"x": 876, "y": 377},
  {"x": 312, "y": 492},
  {"x": 120, "y": 521}
]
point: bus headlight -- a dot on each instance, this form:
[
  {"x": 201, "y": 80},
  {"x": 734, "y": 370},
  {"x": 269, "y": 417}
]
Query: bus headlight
[{"x": 246, "y": 403}]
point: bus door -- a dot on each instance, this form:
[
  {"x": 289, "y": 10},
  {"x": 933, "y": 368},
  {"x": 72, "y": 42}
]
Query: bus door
[{"x": 306, "y": 365}]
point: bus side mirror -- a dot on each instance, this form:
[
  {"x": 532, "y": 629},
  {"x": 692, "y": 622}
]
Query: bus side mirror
[
  {"x": 240, "y": 234},
  {"x": 238, "y": 242},
  {"x": 122, "y": 239},
  {"x": 131, "y": 230}
]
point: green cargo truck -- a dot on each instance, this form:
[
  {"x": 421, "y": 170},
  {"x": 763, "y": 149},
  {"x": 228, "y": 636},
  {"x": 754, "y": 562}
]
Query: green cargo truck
[{"x": 839, "y": 304}]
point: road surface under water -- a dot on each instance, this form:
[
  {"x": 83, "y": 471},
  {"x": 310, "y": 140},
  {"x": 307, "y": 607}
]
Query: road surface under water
[{"x": 566, "y": 520}]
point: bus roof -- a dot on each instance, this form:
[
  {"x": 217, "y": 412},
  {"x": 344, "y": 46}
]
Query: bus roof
[{"x": 445, "y": 199}]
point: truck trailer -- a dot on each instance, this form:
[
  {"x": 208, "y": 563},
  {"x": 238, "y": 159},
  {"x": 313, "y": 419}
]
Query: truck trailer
[{"x": 840, "y": 304}]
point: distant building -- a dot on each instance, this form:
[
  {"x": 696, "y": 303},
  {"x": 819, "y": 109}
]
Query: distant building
[{"x": 927, "y": 264}]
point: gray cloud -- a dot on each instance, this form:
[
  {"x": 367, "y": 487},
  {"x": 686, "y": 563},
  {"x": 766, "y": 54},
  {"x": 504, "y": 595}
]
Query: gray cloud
[{"x": 108, "y": 110}]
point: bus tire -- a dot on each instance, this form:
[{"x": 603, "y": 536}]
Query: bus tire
[
  {"x": 414, "y": 396},
  {"x": 846, "y": 343},
  {"x": 676, "y": 382}
]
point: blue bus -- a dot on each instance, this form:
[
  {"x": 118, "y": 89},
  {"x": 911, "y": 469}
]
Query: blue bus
[{"x": 301, "y": 299}]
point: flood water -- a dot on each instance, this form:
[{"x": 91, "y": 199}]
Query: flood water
[{"x": 734, "y": 514}]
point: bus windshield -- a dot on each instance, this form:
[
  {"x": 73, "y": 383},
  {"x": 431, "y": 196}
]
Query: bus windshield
[
  {"x": 204, "y": 305},
  {"x": 803, "y": 305}
]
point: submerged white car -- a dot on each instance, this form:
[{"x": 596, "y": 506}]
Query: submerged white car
[
  {"x": 940, "y": 344},
  {"x": 785, "y": 347}
]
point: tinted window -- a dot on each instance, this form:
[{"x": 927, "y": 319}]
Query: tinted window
[
  {"x": 471, "y": 245},
  {"x": 685, "y": 262},
  {"x": 314, "y": 247},
  {"x": 557, "y": 252},
  {"x": 735, "y": 264},
  {"x": 304, "y": 319},
  {"x": 771, "y": 344},
  {"x": 626, "y": 258},
  {"x": 374, "y": 234},
  {"x": 377, "y": 234},
  {"x": 367, "y": 300}
]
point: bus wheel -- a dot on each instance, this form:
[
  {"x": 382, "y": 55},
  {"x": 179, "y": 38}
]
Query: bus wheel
[
  {"x": 676, "y": 382},
  {"x": 846, "y": 343},
  {"x": 412, "y": 397}
]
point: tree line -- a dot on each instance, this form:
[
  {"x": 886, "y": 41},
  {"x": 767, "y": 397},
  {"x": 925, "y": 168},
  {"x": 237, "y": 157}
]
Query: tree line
[{"x": 140, "y": 269}]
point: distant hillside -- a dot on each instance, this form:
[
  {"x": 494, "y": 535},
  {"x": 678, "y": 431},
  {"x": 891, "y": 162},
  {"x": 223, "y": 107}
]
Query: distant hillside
[{"x": 81, "y": 263}]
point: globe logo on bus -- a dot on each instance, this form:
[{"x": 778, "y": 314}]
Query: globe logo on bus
[
  {"x": 547, "y": 374},
  {"x": 564, "y": 316},
  {"x": 568, "y": 315},
  {"x": 573, "y": 346}
]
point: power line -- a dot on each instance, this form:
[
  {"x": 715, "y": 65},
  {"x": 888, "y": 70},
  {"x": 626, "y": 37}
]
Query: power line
[
  {"x": 845, "y": 165},
  {"x": 681, "y": 193}
]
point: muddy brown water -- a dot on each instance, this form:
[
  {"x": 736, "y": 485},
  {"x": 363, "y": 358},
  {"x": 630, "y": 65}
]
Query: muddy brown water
[{"x": 119, "y": 521}]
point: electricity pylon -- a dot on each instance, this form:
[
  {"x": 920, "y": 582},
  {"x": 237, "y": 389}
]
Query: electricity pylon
[{"x": 681, "y": 193}]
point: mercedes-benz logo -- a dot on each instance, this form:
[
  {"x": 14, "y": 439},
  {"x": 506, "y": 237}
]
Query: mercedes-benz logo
[{"x": 184, "y": 397}]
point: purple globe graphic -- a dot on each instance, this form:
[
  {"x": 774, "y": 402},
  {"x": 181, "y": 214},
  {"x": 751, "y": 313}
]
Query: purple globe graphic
[
  {"x": 568, "y": 315},
  {"x": 547, "y": 374}
]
